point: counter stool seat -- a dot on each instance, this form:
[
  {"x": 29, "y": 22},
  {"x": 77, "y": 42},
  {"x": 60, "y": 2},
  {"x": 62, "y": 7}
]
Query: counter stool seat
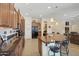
[{"x": 55, "y": 48}]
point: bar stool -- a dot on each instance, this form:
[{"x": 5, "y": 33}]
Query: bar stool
[
  {"x": 54, "y": 48},
  {"x": 64, "y": 47}
]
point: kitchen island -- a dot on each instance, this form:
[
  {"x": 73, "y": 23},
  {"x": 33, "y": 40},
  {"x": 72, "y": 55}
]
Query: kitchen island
[{"x": 45, "y": 42}]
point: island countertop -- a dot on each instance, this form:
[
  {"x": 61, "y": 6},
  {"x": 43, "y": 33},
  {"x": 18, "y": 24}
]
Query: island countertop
[
  {"x": 51, "y": 38},
  {"x": 45, "y": 41}
]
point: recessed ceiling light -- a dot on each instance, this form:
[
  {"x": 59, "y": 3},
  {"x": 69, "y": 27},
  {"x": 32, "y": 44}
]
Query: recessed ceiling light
[
  {"x": 52, "y": 20},
  {"x": 65, "y": 15},
  {"x": 27, "y": 3},
  {"x": 56, "y": 23},
  {"x": 40, "y": 15},
  {"x": 49, "y": 7},
  {"x": 27, "y": 14}
]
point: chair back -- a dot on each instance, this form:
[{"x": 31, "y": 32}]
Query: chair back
[{"x": 65, "y": 42}]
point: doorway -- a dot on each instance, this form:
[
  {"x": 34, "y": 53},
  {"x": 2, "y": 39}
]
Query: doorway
[{"x": 36, "y": 26}]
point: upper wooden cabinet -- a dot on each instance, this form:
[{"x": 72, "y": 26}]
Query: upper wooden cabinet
[{"x": 9, "y": 16}]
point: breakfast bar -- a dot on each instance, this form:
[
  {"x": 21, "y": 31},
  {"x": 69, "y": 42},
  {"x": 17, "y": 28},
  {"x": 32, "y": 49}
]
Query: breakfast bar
[{"x": 44, "y": 43}]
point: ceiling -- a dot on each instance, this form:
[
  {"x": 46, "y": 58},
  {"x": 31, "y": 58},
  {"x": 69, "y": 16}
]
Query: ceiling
[{"x": 60, "y": 11}]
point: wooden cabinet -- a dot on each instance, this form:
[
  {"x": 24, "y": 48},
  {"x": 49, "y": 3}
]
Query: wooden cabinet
[
  {"x": 15, "y": 48},
  {"x": 11, "y": 18},
  {"x": 6, "y": 14},
  {"x": 9, "y": 15},
  {"x": 74, "y": 39}
]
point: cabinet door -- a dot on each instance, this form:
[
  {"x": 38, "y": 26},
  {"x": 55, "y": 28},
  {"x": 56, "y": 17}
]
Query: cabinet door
[{"x": 6, "y": 14}]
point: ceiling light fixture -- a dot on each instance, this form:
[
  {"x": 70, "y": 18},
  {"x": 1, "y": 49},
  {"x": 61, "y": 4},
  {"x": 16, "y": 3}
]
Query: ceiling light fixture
[
  {"x": 40, "y": 15},
  {"x": 52, "y": 20},
  {"x": 56, "y": 23},
  {"x": 27, "y": 3},
  {"x": 49, "y": 7},
  {"x": 65, "y": 15},
  {"x": 27, "y": 14}
]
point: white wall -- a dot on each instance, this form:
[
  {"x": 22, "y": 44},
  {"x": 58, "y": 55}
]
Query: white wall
[
  {"x": 28, "y": 28},
  {"x": 75, "y": 28},
  {"x": 56, "y": 28},
  {"x": 61, "y": 27}
]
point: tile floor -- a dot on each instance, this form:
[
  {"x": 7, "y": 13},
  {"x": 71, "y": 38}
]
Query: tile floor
[{"x": 31, "y": 48}]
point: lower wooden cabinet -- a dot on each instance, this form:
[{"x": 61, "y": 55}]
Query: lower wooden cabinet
[
  {"x": 74, "y": 39},
  {"x": 18, "y": 48}
]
